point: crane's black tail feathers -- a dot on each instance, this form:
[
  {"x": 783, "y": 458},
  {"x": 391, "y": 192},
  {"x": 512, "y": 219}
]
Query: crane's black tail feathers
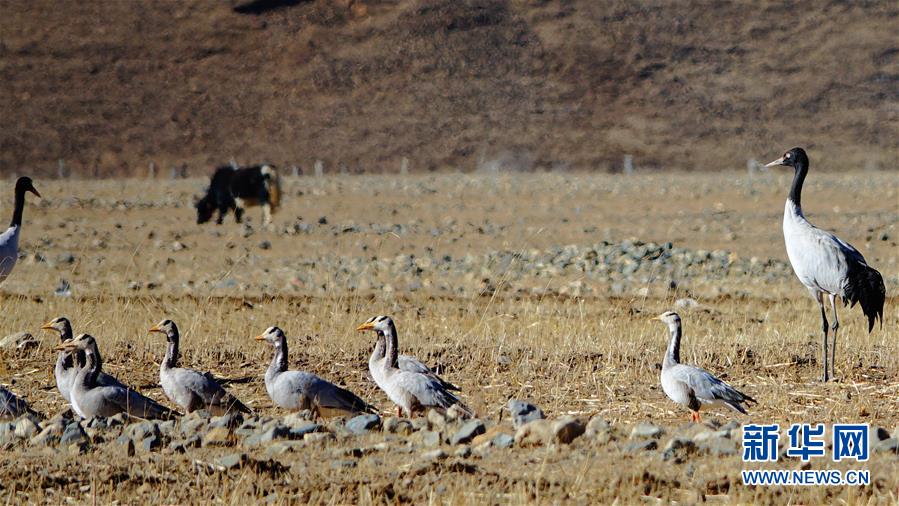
[{"x": 865, "y": 287}]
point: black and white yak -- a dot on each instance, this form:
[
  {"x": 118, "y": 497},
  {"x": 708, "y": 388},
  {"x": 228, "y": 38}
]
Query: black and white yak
[{"x": 237, "y": 189}]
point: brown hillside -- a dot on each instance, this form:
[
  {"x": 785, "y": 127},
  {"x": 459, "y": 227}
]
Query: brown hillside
[{"x": 111, "y": 85}]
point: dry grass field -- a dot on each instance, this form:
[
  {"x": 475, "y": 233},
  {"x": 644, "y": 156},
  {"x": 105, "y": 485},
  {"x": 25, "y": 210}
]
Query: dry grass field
[{"x": 483, "y": 277}]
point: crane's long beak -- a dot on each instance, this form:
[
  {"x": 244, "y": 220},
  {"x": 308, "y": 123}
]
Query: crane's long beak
[
  {"x": 365, "y": 326},
  {"x": 779, "y": 161},
  {"x": 34, "y": 191}
]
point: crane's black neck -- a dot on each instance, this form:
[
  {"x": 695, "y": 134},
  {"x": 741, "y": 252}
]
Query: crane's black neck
[
  {"x": 673, "y": 353},
  {"x": 171, "y": 354},
  {"x": 801, "y": 169},
  {"x": 392, "y": 351},
  {"x": 17, "y": 209}
]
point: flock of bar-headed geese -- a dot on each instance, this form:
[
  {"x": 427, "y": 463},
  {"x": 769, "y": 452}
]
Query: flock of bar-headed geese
[{"x": 827, "y": 266}]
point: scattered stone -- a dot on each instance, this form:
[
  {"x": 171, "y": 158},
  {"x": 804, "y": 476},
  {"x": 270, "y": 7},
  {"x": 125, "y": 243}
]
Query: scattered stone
[
  {"x": 711, "y": 434},
  {"x": 317, "y": 437},
  {"x": 139, "y": 431},
  {"x": 567, "y": 429},
  {"x": 429, "y": 438},
  {"x": 718, "y": 446},
  {"x": 503, "y": 441},
  {"x": 467, "y": 432},
  {"x": 676, "y": 447},
  {"x": 266, "y": 245},
  {"x": 437, "y": 454},
  {"x": 298, "y": 418},
  {"x": 363, "y": 423},
  {"x": 49, "y": 435},
  {"x": 26, "y": 428},
  {"x": 596, "y": 426},
  {"x": 685, "y": 303},
  {"x": 523, "y": 412},
  {"x": 436, "y": 420},
  {"x": 229, "y": 420},
  {"x": 455, "y": 412},
  {"x": 151, "y": 442},
  {"x": 463, "y": 452},
  {"x": 267, "y": 435},
  {"x": 299, "y": 432},
  {"x": 190, "y": 425},
  {"x": 74, "y": 434},
  {"x": 395, "y": 425},
  {"x": 231, "y": 461},
  {"x": 20, "y": 341},
  {"x": 646, "y": 430},
  {"x": 419, "y": 424},
  {"x": 641, "y": 446}
]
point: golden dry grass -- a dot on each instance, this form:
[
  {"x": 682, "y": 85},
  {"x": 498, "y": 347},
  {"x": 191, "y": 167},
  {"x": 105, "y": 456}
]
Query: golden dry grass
[{"x": 590, "y": 355}]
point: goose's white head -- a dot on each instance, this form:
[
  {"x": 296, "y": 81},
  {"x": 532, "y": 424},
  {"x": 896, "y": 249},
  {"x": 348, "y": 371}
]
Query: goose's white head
[
  {"x": 60, "y": 324},
  {"x": 379, "y": 324},
  {"x": 669, "y": 317},
  {"x": 272, "y": 335}
]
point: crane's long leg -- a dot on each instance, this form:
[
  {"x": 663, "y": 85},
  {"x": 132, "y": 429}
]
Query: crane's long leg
[
  {"x": 833, "y": 339},
  {"x": 820, "y": 298}
]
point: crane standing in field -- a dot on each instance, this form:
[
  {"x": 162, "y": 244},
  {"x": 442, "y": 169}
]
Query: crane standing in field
[{"x": 824, "y": 263}]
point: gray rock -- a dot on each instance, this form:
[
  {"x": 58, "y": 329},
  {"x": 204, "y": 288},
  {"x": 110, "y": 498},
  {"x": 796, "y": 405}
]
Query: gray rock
[
  {"x": 685, "y": 303},
  {"x": 318, "y": 437},
  {"x": 678, "y": 446},
  {"x": 343, "y": 464},
  {"x": 463, "y": 452},
  {"x": 230, "y": 421},
  {"x": 167, "y": 428},
  {"x": 49, "y": 435},
  {"x": 419, "y": 424},
  {"x": 268, "y": 435},
  {"x": 118, "y": 420},
  {"x": 300, "y": 431},
  {"x": 503, "y": 441},
  {"x": 468, "y": 431},
  {"x": 363, "y": 423},
  {"x": 190, "y": 425},
  {"x": 140, "y": 430},
  {"x": 597, "y": 425},
  {"x": 436, "y": 420},
  {"x": 437, "y": 454},
  {"x": 429, "y": 438},
  {"x": 73, "y": 434},
  {"x": 646, "y": 430},
  {"x": 641, "y": 446},
  {"x": 523, "y": 412},
  {"x": 151, "y": 442},
  {"x": 26, "y": 428},
  {"x": 20, "y": 341},
  {"x": 298, "y": 418},
  {"x": 567, "y": 429},
  {"x": 232, "y": 461},
  {"x": 718, "y": 447},
  {"x": 395, "y": 425}
]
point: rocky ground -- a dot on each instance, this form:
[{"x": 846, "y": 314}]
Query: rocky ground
[{"x": 536, "y": 303}]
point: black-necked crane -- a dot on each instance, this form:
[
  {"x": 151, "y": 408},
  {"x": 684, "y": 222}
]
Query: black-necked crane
[
  {"x": 825, "y": 264},
  {"x": 9, "y": 240}
]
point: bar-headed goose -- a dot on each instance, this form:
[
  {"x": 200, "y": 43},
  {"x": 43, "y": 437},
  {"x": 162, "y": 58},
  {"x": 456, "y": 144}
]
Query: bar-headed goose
[
  {"x": 188, "y": 388},
  {"x": 68, "y": 363},
  {"x": 410, "y": 391},
  {"x": 90, "y": 399},
  {"x": 298, "y": 390}
]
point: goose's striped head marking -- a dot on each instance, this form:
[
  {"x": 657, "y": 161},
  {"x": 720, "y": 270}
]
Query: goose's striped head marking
[
  {"x": 59, "y": 324},
  {"x": 166, "y": 327},
  {"x": 377, "y": 324},
  {"x": 82, "y": 342},
  {"x": 669, "y": 317},
  {"x": 272, "y": 335}
]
